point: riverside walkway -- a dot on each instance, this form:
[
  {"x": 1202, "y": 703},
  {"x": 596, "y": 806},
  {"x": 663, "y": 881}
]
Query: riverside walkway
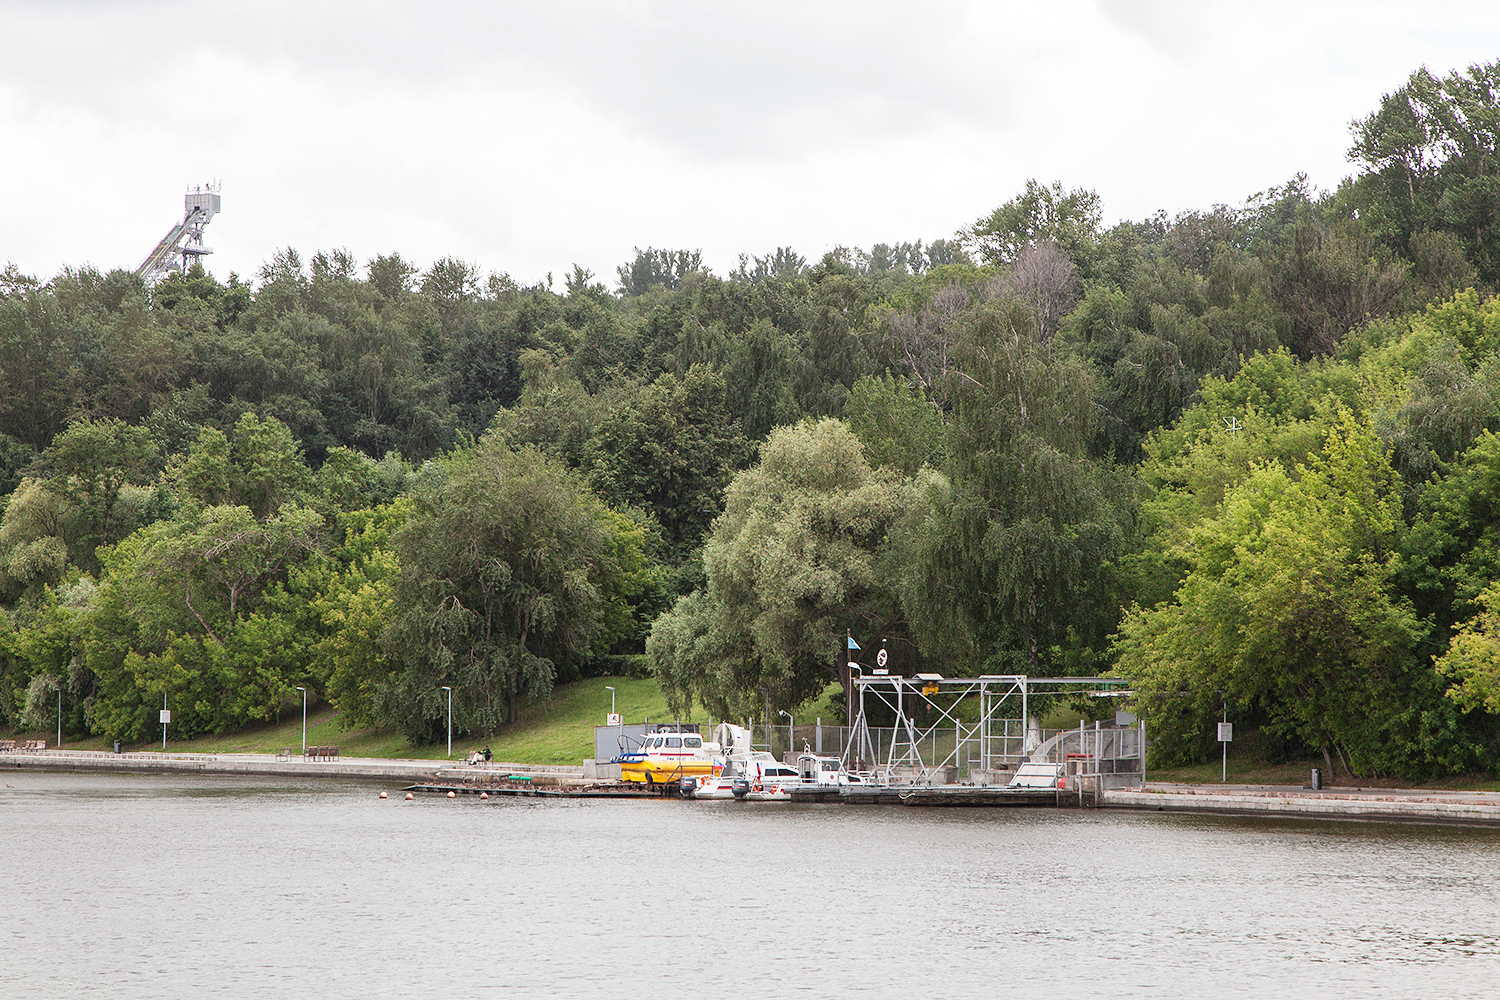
[
  {"x": 292, "y": 765},
  {"x": 1419, "y": 805},
  {"x": 1413, "y": 805}
]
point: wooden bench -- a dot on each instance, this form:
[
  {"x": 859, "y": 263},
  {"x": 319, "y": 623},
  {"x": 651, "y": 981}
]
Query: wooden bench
[
  {"x": 322, "y": 753},
  {"x": 6, "y": 746},
  {"x": 285, "y": 753}
]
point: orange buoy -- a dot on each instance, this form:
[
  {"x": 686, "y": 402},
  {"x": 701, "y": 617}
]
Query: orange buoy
[
  {"x": 484, "y": 795},
  {"x": 409, "y": 796},
  {"x": 452, "y": 795},
  {"x": 382, "y": 795}
]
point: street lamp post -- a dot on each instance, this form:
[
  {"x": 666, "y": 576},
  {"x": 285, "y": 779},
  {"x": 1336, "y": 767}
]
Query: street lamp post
[
  {"x": 854, "y": 758},
  {"x": 59, "y": 718},
  {"x": 450, "y": 720},
  {"x": 304, "y": 720},
  {"x": 619, "y": 723},
  {"x": 791, "y": 732}
]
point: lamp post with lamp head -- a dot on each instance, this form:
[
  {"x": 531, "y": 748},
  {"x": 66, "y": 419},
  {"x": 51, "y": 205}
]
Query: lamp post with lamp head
[
  {"x": 304, "y": 719},
  {"x": 450, "y": 720}
]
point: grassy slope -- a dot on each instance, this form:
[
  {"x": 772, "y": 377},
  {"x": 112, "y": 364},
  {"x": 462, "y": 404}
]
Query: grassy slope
[{"x": 561, "y": 731}]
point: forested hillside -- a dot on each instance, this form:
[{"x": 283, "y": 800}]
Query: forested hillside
[{"x": 1246, "y": 454}]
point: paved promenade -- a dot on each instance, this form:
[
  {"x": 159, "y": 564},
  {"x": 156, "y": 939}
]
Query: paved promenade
[
  {"x": 1418, "y": 805},
  {"x": 350, "y": 768}
]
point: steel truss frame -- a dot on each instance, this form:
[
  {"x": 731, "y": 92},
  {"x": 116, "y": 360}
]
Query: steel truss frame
[{"x": 906, "y": 695}]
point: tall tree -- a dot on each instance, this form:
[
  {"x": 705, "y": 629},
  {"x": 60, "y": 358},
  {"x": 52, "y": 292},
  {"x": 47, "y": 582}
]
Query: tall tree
[
  {"x": 509, "y": 568},
  {"x": 793, "y": 562},
  {"x": 1289, "y": 609},
  {"x": 1431, "y": 154}
]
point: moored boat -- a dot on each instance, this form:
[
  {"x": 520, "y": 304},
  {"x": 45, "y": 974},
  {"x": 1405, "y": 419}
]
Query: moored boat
[
  {"x": 666, "y": 758},
  {"x": 748, "y": 775}
]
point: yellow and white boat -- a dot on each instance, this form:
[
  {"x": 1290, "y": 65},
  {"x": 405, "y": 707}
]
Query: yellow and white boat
[{"x": 667, "y": 758}]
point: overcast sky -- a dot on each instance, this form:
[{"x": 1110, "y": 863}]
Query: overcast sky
[{"x": 526, "y": 137}]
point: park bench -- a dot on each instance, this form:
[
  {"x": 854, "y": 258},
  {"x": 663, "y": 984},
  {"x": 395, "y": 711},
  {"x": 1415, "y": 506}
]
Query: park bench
[
  {"x": 322, "y": 753},
  {"x": 6, "y": 746},
  {"x": 285, "y": 753}
]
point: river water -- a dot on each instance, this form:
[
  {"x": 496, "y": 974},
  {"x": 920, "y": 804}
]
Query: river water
[{"x": 127, "y": 887}]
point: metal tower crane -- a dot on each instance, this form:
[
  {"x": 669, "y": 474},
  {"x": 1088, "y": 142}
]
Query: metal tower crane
[{"x": 183, "y": 243}]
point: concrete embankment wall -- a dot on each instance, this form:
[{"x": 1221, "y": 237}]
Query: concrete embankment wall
[
  {"x": 1386, "y": 805},
  {"x": 348, "y": 768}
]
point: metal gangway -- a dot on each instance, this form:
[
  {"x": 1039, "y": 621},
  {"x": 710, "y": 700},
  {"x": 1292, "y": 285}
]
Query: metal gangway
[{"x": 183, "y": 243}]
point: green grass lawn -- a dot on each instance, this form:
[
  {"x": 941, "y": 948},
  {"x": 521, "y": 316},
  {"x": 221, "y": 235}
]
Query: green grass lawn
[{"x": 558, "y": 731}]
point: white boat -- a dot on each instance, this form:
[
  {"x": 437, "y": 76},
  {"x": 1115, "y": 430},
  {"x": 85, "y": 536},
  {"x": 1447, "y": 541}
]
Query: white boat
[
  {"x": 817, "y": 773},
  {"x": 756, "y": 776},
  {"x": 748, "y": 775}
]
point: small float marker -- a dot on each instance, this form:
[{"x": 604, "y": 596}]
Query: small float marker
[
  {"x": 452, "y": 795},
  {"x": 409, "y": 796},
  {"x": 484, "y": 795},
  {"x": 382, "y": 795}
]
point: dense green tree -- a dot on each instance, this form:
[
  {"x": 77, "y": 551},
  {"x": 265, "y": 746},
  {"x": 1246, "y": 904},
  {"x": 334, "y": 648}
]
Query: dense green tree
[
  {"x": 509, "y": 567},
  {"x": 189, "y": 608},
  {"x": 1006, "y": 559},
  {"x": 897, "y": 425},
  {"x": 1431, "y": 154},
  {"x": 670, "y": 451},
  {"x": 793, "y": 562},
  {"x": 90, "y": 464},
  {"x": 653, "y": 268},
  {"x": 1289, "y": 608},
  {"x": 1041, "y": 214}
]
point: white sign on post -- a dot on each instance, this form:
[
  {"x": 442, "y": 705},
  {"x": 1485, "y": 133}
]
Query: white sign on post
[
  {"x": 614, "y": 719},
  {"x": 1226, "y": 732},
  {"x": 166, "y": 716},
  {"x": 880, "y": 658}
]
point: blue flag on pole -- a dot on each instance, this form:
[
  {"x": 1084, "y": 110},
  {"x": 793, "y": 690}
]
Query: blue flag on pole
[{"x": 852, "y": 643}]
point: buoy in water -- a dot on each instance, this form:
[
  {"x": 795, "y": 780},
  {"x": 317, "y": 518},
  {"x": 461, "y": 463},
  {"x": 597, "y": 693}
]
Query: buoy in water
[
  {"x": 382, "y": 795},
  {"x": 484, "y": 795},
  {"x": 452, "y": 795},
  {"x": 409, "y": 796}
]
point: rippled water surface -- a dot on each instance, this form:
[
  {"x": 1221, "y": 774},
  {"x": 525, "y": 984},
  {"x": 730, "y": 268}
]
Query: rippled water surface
[{"x": 180, "y": 887}]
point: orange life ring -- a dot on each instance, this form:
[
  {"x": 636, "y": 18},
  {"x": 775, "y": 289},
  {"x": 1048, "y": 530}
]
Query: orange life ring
[{"x": 757, "y": 784}]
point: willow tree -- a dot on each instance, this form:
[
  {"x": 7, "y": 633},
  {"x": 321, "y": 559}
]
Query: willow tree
[
  {"x": 510, "y": 567},
  {"x": 795, "y": 560},
  {"x": 1006, "y": 559}
]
